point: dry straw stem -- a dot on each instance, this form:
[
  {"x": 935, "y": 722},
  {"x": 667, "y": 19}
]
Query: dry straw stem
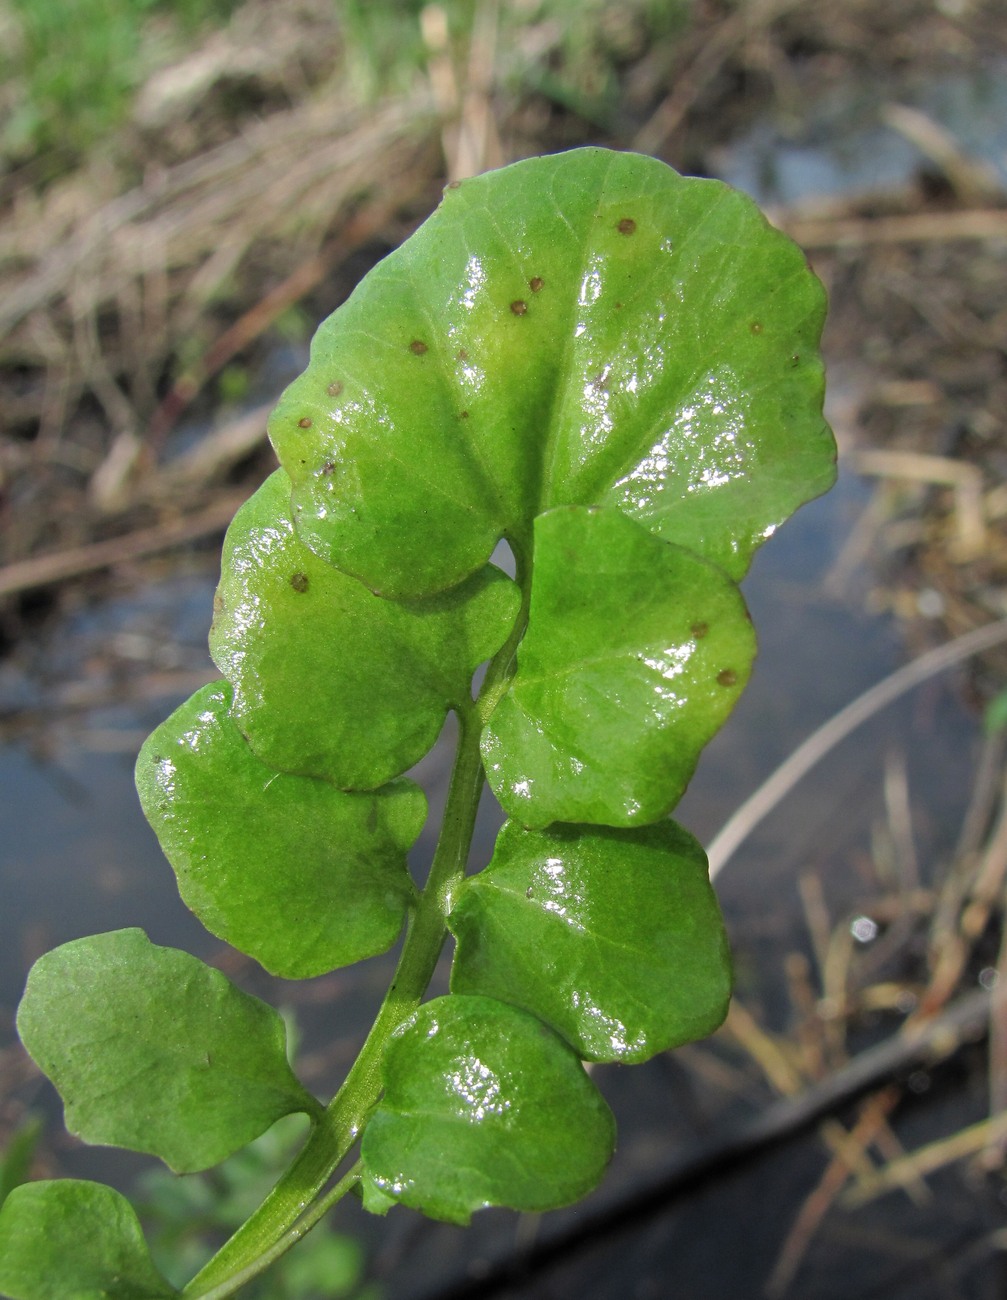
[
  {"x": 873, "y": 1115},
  {"x": 297, "y": 171},
  {"x": 817, "y": 233},
  {"x": 822, "y": 741},
  {"x": 963, "y": 914},
  {"x": 972, "y": 179},
  {"x": 927, "y": 1160},
  {"x": 963, "y": 477},
  {"x": 42, "y": 570},
  {"x": 735, "y": 1145},
  {"x": 469, "y": 136},
  {"x": 708, "y": 52}
]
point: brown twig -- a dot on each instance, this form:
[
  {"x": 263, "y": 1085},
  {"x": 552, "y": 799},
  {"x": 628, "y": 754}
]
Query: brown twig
[
  {"x": 254, "y": 322},
  {"x": 873, "y": 1116},
  {"x": 822, "y": 741},
  {"x": 928, "y": 1159},
  {"x": 718, "y": 47},
  {"x": 815, "y": 233},
  {"x": 44, "y": 570}
]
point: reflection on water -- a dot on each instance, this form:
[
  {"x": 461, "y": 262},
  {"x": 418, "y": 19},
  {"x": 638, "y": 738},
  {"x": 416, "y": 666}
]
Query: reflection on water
[{"x": 844, "y": 147}]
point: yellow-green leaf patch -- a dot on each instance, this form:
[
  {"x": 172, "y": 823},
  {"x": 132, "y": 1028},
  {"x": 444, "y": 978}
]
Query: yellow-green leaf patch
[{"x": 585, "y": 328}]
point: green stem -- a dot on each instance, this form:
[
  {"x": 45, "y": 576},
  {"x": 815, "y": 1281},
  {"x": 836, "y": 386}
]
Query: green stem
[
  {"x": 289, "y": 1238},
  {"x": 293, "y": 1204}
]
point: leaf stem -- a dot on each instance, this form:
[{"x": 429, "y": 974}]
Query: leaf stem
[
  {"x": 296, "y": 1202},
  {"x": 290, "y": 1238}
]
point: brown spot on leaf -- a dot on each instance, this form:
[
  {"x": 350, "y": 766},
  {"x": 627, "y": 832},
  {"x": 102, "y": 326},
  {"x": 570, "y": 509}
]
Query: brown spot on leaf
[
  {"x": 756, "y": 327},
  {"x": 699, "y": 630},
  {"x": 461, "y": 355},
  {"x": 727, "y": 677},
  {"x": 453, "y": 185},
  {"x": 305, "y": 422},
  {"x": 299, "y": 581},
  {"x": 218, "y": 603},
  {"x": 464, "y": 415},
  {"x": 417, "y": 347},
  {"x": 334, "y": 389},
  {"x": 519, "y": 307},
  {"x": 535, "y": 283},
  {"x": 329, "y": 467},
  {"x": 627, "y": 226}
]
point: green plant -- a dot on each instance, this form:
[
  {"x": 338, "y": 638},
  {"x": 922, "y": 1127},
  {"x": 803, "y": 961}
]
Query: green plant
[
  {"x": 615, "y": 369},
  {"x": 186, "y": 1219},
  {"x": 76, "y": 64}
]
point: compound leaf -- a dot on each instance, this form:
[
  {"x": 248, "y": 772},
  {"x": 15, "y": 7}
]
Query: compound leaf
[
  {"x": 585, "y": 328},
  {"x": 153, "y": 1050},
  {"x": 635, "y": 653},
  {"x": 330, "y": 680},
  {"x": 74, "y": 1240},
  {"x": 301, "y": 876},
  {"x": 612, "y": 937},
  {"x": 483, "y": 1105}
]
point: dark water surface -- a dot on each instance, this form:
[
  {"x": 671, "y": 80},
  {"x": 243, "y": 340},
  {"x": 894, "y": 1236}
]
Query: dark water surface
[{"x": 76, "y": 857}]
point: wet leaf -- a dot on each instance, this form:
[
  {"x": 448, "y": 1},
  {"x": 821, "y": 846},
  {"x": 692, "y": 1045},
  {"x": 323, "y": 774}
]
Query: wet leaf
[
  {"x": 483, "y": 1105},
  {"x": 612, "y": 937},
  {"x": 329, "y": 679},
  {"x": 635, "y": 653},
  {"x": 301, "y": 876},
  {"x": 585, "y": 328},
  {"x": 153, "y": 1050},
  {"x": 74, "y": 1240}
]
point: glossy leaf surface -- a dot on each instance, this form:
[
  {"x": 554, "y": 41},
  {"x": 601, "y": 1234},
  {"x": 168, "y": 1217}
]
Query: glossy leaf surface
[
  {"x": 612, "y": 937},
  {"x": 153, "y": 1050},
  {"x": 585, "y": 328},
  {"x": 635, "y": 653},
  {"x": 483, "y": 1105},
  {"x": 301, "y": 876},
  {"x": 329, "y": 679},
  {"x": 74, "y": 1240}
]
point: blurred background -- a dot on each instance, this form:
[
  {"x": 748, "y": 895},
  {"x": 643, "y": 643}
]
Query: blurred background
[{"x": 186, "y": 188}]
